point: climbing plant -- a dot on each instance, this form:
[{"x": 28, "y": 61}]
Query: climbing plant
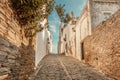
[{"x": 29, "y": 12}]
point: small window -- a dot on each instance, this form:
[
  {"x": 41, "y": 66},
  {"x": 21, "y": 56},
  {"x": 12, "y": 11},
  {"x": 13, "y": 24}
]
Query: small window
[{"x": 106, "y": 15}]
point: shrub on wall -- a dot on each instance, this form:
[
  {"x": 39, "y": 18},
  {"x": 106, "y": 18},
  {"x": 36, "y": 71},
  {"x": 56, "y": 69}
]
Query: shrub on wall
[{"x": 29, "y": 12}]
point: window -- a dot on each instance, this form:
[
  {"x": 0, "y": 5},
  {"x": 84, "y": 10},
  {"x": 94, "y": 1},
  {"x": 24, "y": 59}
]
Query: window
[{"x": 106, "y": 15}]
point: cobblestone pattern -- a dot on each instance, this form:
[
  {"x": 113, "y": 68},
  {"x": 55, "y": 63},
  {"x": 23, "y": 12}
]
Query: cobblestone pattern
[{"x": 60, "y": 67}]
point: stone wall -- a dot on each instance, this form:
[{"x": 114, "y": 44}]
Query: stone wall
[
  {"x": 102, "y": 48},
  {"x": 16, "y": 63},
  {"x": 27, "y": 61},
  {"x": 16, "y": 56},
  {"x": 9, "y": 26},
  {"x": 9, "y": 60}
]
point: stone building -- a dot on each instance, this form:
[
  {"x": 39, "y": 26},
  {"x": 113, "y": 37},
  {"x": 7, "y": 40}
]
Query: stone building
[{"x": 102, "y": 48}]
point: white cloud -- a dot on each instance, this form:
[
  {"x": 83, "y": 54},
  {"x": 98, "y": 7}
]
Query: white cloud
[
  {"x": 55, "y": 20},
  {"x": 53, "y": 28}
]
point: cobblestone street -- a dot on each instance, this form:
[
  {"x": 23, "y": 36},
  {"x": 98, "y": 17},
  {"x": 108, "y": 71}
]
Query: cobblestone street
[{"x": 59, "y": 67}]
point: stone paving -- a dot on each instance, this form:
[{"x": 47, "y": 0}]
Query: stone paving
[{"x": 60, "y": 67}]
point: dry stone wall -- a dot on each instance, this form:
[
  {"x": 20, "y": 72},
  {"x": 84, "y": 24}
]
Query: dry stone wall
[
  {"x": 9, "y": 26},
  {"x": 16, "y": 56},
  {"x": 9, "y": 60},
  {"x": 102, "y": 48}
]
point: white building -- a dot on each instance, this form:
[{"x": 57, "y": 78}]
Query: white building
[
  {"x": 67, "y": 39},
  {"x": 43, "y": 43},
  {"x": 94, "y": 13}
]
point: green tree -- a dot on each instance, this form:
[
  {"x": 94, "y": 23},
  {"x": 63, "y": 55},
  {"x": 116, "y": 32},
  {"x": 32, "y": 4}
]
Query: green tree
[
  {"x": 64, "y": 17},
  {"x": 29, "y": 12},
  {"x": 67, "y": 18},
  {"x": 60, "y": 11}
]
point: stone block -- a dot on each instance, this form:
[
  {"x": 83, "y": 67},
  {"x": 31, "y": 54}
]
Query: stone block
[
  {"x": 11, "y": 57},
  {"x": 4, "y": 42},
  {"x": 11, "y": 61},
  {"x": 3, "y": 56},
  {"x": 4, "y": 71}
]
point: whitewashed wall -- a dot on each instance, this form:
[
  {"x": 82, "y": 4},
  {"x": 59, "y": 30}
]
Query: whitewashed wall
[
  {"x": 83, "y": 29},
  {"x": 68, "y": 46},
  {"x": 40, "y": 50},
  {"x": 42, "y": 46},
  {"x": 99, "y": 8}
]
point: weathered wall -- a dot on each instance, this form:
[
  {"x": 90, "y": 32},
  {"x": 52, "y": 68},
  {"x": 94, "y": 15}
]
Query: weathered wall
[
  {"x": 15, "y": 61},
  {"x": 71, "y": 38},
  {"x": 9, "y": 27},
  {"x": 102, "y": 9},
  {"x": 102, "y": 48},
  {"x": 9, "y": 60},
  {"x": 64, "y": 39},
  {"x": 27, "y": 61},
  {"x": 42, "y": 46},
  {"x": 83, "y": 29},
  {"x": 68, "y": 39}
]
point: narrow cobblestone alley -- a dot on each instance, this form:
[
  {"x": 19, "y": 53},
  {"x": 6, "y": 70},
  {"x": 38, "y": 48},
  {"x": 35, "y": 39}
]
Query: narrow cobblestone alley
[{"x": 60, "y": 67}]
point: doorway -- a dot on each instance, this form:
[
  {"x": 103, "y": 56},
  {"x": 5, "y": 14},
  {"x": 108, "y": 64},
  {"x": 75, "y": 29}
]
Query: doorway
[{"x": 82, "y": 51}]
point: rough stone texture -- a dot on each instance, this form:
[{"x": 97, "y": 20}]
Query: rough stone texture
[
  {"x": 56, "y": 67},
  {"x": 9, "y": 60},
  {"x": 9, "y": 26},
  {"x": 102, "y": 48},
  {"x": 16, "y": 60},
  {"x": 27, "y": 61}
]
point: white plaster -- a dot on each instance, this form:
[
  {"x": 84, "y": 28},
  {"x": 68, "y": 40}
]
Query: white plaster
[{"x": 42, "y": 46}]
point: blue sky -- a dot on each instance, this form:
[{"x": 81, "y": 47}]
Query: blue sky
[{"x": 70, "y": 5}]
